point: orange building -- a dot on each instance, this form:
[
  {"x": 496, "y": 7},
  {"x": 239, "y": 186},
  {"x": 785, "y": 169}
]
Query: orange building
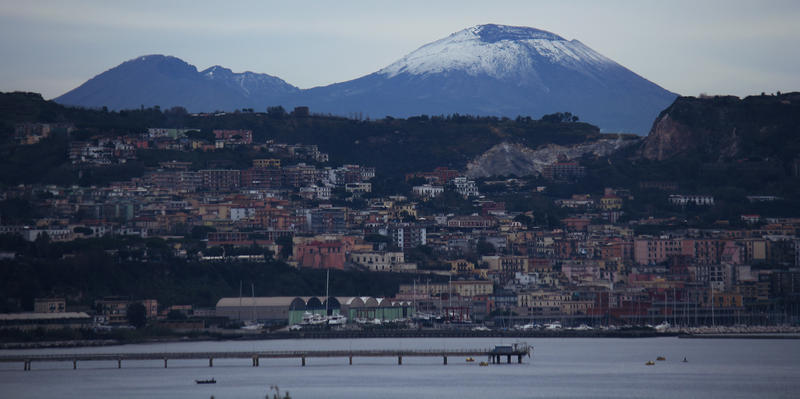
[{"x": 320, "y": 254}]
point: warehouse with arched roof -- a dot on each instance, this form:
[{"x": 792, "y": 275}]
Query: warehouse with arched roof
[
  {"x": 272, "y": 309},
  {"x": 283, "y": 309}
]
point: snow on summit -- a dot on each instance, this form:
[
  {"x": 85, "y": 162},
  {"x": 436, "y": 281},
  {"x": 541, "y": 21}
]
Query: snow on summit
[{"x": 498, "y": 51}]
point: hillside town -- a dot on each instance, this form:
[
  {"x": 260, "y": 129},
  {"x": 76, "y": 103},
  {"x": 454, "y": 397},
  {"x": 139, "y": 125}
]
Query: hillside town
[{"x": 474, "y": 264}]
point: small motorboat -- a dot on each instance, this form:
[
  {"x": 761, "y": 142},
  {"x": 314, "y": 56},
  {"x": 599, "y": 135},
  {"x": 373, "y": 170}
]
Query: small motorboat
[
  {"x": 650, "y": 363},
  {"x": 483, "y": 363},
  {"x": 661, "y": 358},
  {"x": 470, "y": 359},
  {"x": 209, "y": 381}
]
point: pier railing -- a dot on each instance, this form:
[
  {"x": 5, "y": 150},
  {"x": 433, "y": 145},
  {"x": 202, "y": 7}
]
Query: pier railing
[{"x": 493, "y": 355}]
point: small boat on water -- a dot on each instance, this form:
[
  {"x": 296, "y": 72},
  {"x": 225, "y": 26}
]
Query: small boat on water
[
  {"x": 483, "y": 363},
  {"x": 251, "y": 325},
  {"x": 661, "y": 358},
  {"x": 337, "y": 320},
  {"x": 470, "y": 359},
  {"x": 650, "y": 363},
  {"x": 209, "y": 381}
]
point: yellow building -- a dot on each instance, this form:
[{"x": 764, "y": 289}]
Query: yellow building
[
  {"x": 472, "y": 288},
  {"x": 461, "y": 267},
  {"x": 610, "y": 203},
  {"x": 49, "y": 305},
  {"x": 725, "y": 300},
  {"x": 542, "y": 302},
  {"x": 410, "y": 209}
]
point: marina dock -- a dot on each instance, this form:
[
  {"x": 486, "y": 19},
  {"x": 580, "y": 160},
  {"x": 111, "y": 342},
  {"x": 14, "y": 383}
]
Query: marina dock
[{"x": 493, "y": 356}]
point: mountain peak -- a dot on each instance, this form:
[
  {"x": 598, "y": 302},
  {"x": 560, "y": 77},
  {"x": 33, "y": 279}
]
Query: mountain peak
[
  {"x": 498, "y": 51},
  {"x": 217, "y": 71},
  {"x": 491, "y": 33},
  {"x": 155, "y": 59}
]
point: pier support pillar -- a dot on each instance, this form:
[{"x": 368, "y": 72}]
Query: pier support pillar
[
  {"x": 26, "y": 365},
  {"x": 351, "y": 360},
  {"x": 445, "y": 360},
  {"x": 509, "y": 359},
  {"x": 119, "y": 363},
  {"x": 399, "y": 360},
  {"x": 303, "y": 361},
  {"x": 519, "y": 359},
  {"x": 165, "y": 363},
  {"x": 210, "y": 362},
  {"x": 74, "y": 364},
  {"x": 258, "y": 361}
]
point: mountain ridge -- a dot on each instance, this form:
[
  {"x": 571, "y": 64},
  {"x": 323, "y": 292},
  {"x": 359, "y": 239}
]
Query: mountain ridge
[{"x": 492, "y": 70}]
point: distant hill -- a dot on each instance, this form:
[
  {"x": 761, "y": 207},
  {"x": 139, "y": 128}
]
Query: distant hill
[
  {"x": 726, "y": 128},
  {"x": 169, "y": 81},
  {"x": 493, "y": 70}
]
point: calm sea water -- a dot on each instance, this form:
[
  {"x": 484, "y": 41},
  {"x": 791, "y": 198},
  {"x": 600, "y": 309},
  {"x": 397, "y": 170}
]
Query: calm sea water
[{"x": 559, "y": 368}]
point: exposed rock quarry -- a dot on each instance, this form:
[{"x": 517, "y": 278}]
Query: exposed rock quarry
[{"x": 519, "y": 160}]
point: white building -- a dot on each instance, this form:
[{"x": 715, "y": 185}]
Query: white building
[
  {"x": 358, "y": 188},
  {"x": 242, "y": 213},
  {"x": 467, "y": 188},
  {"x": 323, "y": 192},
  {"x": 383, "y": 261},
  {"x": 683, "y": 200},
  {"x": 428, "y": 191}
]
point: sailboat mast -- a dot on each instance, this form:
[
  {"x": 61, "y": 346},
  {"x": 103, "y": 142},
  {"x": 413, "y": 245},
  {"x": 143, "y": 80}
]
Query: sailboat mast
[
  {"x": 327, "y": 281},
  {"x": 414, "y": 298},
  {"x": 713, "y": 322}
]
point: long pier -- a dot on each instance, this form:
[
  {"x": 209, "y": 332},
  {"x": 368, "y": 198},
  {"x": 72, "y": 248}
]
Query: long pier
[{"x": 494, "y": 356}]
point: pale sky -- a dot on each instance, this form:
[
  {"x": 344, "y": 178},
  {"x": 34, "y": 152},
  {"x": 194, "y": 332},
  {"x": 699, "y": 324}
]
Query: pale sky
[{"x": 688, "y": 47}]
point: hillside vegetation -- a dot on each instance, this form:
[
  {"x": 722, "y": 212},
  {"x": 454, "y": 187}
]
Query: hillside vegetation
[{"x": 393, "y": 146}]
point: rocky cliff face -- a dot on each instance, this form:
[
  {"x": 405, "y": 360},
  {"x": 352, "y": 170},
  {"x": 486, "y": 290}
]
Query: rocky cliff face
[
  {"x": 519, "y": 160},
  {"x": 723, "y": 128}
]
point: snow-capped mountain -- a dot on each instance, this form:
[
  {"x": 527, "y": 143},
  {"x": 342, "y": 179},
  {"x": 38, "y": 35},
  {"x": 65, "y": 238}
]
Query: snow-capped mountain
[
  {"x": 249, "y": 83},
  {"x": 504, "y": 71},
  {"x": 501, "y": 52},
  {"x": 169, "y": 81},
  {"x": 483, "y": 70}
]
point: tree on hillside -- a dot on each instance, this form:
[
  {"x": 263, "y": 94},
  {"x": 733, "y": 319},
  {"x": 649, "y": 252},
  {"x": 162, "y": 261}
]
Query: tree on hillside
[
  {"x": 137, "y": 315},
  {"x": 287, "y": 246}
]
